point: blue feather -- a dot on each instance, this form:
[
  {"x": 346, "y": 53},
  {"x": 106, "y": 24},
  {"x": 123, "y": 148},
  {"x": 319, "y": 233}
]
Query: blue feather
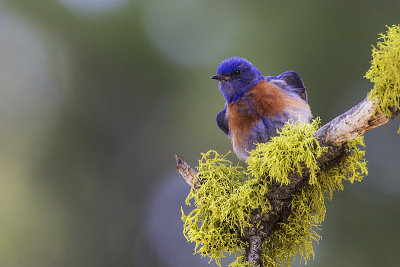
[{"x": 223, "y": 122}]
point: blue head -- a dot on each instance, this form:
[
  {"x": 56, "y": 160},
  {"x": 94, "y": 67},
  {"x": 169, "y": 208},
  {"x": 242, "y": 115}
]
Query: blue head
[{"x": 235, "y": 76}]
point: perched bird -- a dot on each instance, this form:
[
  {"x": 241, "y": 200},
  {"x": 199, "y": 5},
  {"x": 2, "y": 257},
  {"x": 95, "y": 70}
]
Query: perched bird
[{"x": 256, "y": 106}]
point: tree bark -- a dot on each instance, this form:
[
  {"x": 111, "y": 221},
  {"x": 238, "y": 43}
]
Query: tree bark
[
  {"x": 351, "y": 124},
  {"x": 187, "y": 172},
  {"x": 254, "y": 250}
]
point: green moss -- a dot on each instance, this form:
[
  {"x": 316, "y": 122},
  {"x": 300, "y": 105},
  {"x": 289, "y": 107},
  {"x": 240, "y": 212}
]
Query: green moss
[
  {"x": 223, "y": 205},
  {"x": 385, "y": 71},
  {"x": 296, "y": 236},
  {"x": 229, "y": 193},
  {"x": 288, "y": 153},
  {"x": 241, "y": 262}
]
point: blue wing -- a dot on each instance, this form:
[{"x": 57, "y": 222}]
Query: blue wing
[
  {"x": 290, "y": 81},
  {"x": 222, "y": 121}
]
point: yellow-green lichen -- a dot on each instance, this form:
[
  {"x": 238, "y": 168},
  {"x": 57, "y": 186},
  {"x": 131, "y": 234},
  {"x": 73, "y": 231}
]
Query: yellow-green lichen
[
  {"x": 295, "y": 237},
  {"x": 223, "y": 205},
  {"x": 288, "y": 153},
  {"x": 229, "y": 193},
  {"x": 241, "y": 262},
  {"x": 385, "y": 71}
]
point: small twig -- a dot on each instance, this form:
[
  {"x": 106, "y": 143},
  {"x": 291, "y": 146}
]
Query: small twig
[{"x": 187, "y": 172}]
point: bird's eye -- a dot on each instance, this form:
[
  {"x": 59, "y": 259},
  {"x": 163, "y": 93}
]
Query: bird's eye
[{"x": 237, "y": 72}]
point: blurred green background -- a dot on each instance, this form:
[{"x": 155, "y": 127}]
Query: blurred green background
[{"x": 97, "y": 95}]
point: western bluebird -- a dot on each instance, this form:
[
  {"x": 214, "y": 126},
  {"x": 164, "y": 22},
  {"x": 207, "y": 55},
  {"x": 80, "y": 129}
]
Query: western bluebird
[{"x": 256, "y": 106}]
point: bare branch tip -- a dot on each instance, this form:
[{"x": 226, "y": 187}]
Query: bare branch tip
[{"x": 187, "y": 172}]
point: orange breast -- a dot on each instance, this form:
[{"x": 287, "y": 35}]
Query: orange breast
[
  {"x": 263, "y": 100},
  {"x": 270, "y": 100},
  {"x": 240, "y": 121}
]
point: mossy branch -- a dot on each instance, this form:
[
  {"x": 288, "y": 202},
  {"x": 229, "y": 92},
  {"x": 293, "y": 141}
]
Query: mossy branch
[
  {"x": 266, "y": 214},
  {"x": 279, "y": 197},
  {"x": 332, "y": 136},
  {"x": 353, "y": 123}
]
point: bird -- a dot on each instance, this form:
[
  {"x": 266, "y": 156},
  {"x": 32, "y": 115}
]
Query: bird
[{"x": 257, "y": 106}]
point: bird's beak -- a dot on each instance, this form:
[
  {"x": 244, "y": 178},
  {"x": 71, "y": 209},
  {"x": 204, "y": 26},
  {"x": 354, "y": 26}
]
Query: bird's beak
[{"x": 217, "y": 77}]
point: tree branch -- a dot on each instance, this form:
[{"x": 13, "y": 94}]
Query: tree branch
[
  {"x": 254, "y": 250},
  {"x": 334, "y": 135},
  {"x": 351, "y": 124},
  {"x": 187, "y": 172}
]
